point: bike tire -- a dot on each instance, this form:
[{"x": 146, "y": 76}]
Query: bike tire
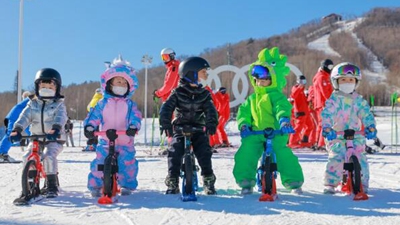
[
  {"x": 267, "y": 176},
  {"x": 108, "y": 177},
  {"x": 188, "y": 174},
  {"x": 356, "y": 174},
  {"x": 30, "y": 179}
]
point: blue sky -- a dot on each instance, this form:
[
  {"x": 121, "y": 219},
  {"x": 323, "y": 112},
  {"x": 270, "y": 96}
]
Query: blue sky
[{"x": 77, "y": 36}]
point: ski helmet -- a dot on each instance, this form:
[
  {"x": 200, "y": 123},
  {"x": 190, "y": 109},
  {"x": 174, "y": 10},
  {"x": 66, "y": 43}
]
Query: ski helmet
[
  {"x": 260, "y": 72},
  {"x": 47, "y": 74},
  {"x": 345, "y": 69},
  {"x": 327, "y": 65},
  {"x": 189, "y": 68},
  {"x": 167, "y": 54}
]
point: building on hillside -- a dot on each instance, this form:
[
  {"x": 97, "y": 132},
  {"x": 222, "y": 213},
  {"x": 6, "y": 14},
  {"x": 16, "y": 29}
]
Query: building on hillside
[{"x": 331, "y": 18}]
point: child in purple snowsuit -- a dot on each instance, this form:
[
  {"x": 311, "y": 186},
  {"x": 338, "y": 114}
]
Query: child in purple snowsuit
[
  {"x": 115, "y": 111},
  {"x": 345, "y": 109}
]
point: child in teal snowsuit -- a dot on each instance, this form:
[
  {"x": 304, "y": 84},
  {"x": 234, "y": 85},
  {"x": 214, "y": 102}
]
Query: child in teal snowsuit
[
  {"x": 345, "y": 109},
  {"x": 268, "y": 107}
]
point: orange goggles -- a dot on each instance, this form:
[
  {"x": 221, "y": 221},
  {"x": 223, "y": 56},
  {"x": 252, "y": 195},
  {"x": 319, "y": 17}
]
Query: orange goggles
[{"x": 165, "y": 57}]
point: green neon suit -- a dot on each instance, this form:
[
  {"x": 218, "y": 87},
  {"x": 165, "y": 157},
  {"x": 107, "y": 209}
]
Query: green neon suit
[{"x": 261, "y": 110}]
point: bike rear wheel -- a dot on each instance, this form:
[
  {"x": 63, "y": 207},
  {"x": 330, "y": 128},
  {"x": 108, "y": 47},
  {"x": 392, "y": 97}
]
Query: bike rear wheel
[
  {"x": 356, "y": 174},
  {"x": 188, "y": 174},
  {"x": 31, "y": 180}
]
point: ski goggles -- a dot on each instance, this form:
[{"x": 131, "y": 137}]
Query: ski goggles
[
  {"x": 261, "y": 72},
  {"x": 166, "y": 57},
  {"x": 349, "y": 69}
]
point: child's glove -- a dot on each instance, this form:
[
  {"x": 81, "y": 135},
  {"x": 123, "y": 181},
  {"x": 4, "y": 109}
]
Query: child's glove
[
  {"x": 17, "y": 137},
  {"x": 370, "y": 132},
  {"x": 89, "y": 131},
  {"x": 211, "y": 130},
  {"x": 168, "y": 131},
  {"x": 286, "y": 127},
  {"x": 54, "y": 135},
  {"x": 245, "y": 131},
  {"x": 131, "y": 131},
  {"x": 329, "y": 133}
]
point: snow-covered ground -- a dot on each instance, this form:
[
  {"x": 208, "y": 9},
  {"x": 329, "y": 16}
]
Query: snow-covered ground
[{"x": 149, "y": 204}]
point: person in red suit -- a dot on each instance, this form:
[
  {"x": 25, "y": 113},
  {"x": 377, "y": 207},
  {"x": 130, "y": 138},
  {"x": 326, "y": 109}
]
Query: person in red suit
[
  {"x": 302, "y": 123},
  {"x": 322, "y": 91},
  {"x": 224, "y": 112},
  {"x": 310, "y": 100},
  {"x": 171, "y": 78}
]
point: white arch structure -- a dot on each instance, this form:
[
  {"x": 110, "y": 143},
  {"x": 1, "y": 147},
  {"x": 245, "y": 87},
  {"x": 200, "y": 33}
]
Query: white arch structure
[{"x": 240, "y": 74}]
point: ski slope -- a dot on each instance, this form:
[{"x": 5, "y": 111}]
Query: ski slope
[{"x": 149, "y": 204}]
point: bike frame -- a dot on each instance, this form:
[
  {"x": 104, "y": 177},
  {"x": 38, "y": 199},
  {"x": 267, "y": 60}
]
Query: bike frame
[
  {"x": 268, "y": 164},
  {"x": 187, "y": 132},
  {"x": 349, "y": 136},
  {"x": 35, "y": 155},
  {"x": 108, "y": 166}
]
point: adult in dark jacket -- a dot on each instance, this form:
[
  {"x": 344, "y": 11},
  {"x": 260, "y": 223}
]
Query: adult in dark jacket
[{"x": 193, "y": 106}]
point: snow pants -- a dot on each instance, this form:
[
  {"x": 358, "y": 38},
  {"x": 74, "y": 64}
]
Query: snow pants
[
  {"x": 49, "y": 157},
  {"x": 249, "y": 153}
]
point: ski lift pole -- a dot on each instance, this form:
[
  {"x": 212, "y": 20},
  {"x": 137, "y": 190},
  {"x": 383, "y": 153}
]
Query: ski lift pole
[{"x": 393, "y": 124}]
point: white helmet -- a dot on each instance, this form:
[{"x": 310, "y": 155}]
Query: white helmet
[
  {"x": 345, "y": 69},
  {"x": 167, "y": 54}
]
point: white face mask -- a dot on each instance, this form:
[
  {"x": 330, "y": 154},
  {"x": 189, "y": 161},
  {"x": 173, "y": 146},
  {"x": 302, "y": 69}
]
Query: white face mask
[
  {"x": 119, "y": 90},
  {"x": 347, "y": 87},
  {"x": 203, "y": 82},
  {"x": 46, "y": 92}
]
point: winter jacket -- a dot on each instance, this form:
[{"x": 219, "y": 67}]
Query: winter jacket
[
  {"x": 171, "y": 80},
  {"x": 43, "y": 116},
  {"x": 322, "y": 88},
  {"x": 300, "y": 101},
  {"x": 96, "y": 97},
  {"x": 192, "y": 105}
]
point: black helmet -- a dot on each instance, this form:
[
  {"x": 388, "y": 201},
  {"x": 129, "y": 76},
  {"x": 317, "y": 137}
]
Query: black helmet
[
  {"x": 327, "y": 65},
  {"x": 48, "y": 74},
  {"x": 189, "y": 67}
]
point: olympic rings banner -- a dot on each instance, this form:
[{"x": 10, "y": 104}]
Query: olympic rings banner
[{"x": 240, "y": 74}]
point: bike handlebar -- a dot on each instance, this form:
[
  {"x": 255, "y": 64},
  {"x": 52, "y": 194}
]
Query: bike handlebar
[
  {"x": 357, "y": 132},
  {"x": 119, "y": 132},
  {"x": 35, "y": 136},
  {"x": 189, "y": 129}
]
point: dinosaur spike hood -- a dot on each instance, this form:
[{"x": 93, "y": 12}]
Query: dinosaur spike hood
[{"x": 276, "y": 64}]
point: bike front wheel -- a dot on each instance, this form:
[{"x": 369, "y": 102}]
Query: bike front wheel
[
  {"x": 31, "y": 179},
  {"x": 267, "y": 177},
  {"x": 356, "y": 175}
]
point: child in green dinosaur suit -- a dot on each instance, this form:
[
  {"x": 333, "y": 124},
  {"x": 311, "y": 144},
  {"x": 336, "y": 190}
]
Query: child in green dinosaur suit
[{"x": 268, "y": 107}]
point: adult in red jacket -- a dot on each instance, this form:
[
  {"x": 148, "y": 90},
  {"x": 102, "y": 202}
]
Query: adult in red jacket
[
  {"x": 322, "y": 91},
  {"x": 302, "y": 123},
  {"x": 171, "y": 78},
  {"x": 313, "y": 135},
  {"x": 224, "y": 112},
  {"x": 214, "y": 141}
]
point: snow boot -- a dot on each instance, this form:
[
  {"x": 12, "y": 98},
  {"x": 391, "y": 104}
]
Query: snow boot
[
  {"x": 96, "y": 193},
  {"x": 52, "y": 189},
  {"x": 246, "y": 191},
  {"x": 208, "y": 183},
  {"x": 172, "y": 184},
  {"x": 125, "y": 191}
]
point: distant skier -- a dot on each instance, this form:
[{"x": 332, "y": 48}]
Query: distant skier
[{"x": 224, "y": 111}]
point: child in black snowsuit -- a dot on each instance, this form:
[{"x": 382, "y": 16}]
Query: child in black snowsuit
[{"x": 193, "y": 106}]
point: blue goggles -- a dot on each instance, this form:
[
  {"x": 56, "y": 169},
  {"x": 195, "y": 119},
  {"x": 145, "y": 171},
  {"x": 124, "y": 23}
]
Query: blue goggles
[{"x": 260, "y": 72}]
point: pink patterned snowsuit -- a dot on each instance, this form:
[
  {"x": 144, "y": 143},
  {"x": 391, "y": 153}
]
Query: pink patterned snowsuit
[
  {"x": 117, "y": 113},
  {"x": 341, "y": 112}
]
